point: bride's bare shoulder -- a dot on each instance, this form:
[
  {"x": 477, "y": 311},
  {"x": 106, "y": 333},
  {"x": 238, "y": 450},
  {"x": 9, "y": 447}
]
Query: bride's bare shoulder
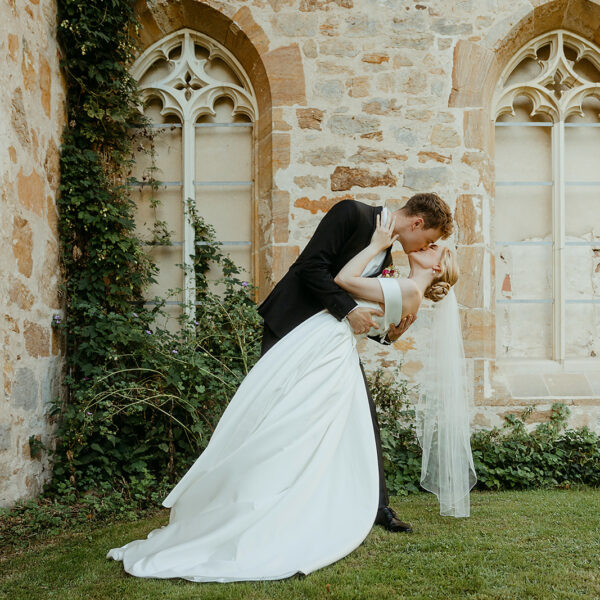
[{"x": 411, "y": 296}]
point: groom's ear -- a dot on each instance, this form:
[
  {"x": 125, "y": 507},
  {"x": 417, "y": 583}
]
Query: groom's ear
[{"x": 417, "y": 223}]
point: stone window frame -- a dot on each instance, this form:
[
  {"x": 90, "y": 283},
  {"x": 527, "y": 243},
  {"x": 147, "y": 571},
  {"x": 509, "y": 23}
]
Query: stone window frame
[
  {"x": 557, "y": 105},
  {"x": 189, "y": 92}
]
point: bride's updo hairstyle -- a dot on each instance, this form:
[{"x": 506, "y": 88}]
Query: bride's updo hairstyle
[{"x": 447, "y": 277}]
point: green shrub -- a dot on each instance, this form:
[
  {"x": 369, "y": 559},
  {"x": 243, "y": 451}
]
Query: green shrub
[
  {"x": 149, "y": 412},
  {"x": 514, "y": 456}
]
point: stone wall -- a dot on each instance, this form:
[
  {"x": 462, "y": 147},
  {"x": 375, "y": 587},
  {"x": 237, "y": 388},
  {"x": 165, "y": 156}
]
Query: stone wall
[
  {"x": 376, "y": 100},
  {"x": 367, "y": 99},
  {"x": 32, "y": 110}
]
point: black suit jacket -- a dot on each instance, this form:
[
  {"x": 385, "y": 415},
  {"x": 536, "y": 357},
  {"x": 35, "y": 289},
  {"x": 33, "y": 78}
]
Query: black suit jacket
[{"x": 308, "y": 286}]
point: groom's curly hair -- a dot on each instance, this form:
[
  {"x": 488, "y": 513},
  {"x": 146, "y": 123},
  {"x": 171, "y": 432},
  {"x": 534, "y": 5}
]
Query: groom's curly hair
[{"x": 435, "y": 212}]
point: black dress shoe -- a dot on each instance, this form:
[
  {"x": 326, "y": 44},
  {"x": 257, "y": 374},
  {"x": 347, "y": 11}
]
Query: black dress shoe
[{"x": 386, "y": 517}]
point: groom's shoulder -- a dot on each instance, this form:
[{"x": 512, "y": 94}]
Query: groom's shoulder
[{"x": 352, "y": 207}]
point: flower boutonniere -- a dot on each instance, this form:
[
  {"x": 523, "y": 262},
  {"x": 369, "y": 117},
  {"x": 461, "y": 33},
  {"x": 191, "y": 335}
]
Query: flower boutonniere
[{"x": 390, "y": 273}]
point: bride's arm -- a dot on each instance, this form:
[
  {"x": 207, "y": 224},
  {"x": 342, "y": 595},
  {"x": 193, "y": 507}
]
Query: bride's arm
[{"x": 349, "y": 278}]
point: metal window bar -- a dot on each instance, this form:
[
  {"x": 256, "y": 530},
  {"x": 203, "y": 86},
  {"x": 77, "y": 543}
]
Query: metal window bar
[
  {"x": 223, "y": 124},
  {"x": 581, "y": 183},
  {"x": 546, "y": 301},
  {"x": 222, "y": 183},
  {"x": 522, "y": 183},
  {"x": 523, "y": 124},
  {"x": 202, "y": 244},
  {"x": 585, "y": 243},
  {"x": 540, "y": 243},
  {"x": 524, "y": 301},
  {"x": 170, "y": 303},
  {"x": 160, "y": 183}
]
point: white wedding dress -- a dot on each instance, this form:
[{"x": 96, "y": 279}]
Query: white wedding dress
[{"x": 289, "y": 480}]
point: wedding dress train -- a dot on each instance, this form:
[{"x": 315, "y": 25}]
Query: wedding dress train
[{"x": 289, "y": 480}]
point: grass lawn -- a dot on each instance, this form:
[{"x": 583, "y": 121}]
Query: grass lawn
[{"x": 534, "y": 545}]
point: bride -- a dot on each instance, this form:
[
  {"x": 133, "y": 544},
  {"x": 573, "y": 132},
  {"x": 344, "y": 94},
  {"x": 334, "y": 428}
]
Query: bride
[{"x": 295, "y": 446}]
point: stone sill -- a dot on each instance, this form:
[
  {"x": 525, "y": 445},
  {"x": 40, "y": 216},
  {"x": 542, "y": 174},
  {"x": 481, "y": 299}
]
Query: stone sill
[{"x": 541, "y": 366}]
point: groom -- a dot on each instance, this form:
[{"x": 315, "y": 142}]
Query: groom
[{"x": 309, "y": 286}]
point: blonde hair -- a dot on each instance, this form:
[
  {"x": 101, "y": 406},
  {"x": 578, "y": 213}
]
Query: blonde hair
[{"x": 447, "y": 277}]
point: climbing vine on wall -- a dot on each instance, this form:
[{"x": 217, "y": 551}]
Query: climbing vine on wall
[
  {"x": 105, "y": 268},
  {"x": 139, "y": 393}
]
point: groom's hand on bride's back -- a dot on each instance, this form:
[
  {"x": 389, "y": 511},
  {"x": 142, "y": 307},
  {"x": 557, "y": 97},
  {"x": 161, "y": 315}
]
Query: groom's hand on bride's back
[{"x": 361, "y": 318}]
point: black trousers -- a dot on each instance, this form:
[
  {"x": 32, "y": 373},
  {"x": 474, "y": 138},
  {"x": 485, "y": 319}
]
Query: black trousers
[{"x": 269, "y": 339}]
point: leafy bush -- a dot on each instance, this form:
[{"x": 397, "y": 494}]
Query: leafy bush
[
  {"x": 550, "y": 455},
  {"x": 511, "y": 457},
  {"x": 399, "y": 445},
  {"x": 149, "y": 412}
]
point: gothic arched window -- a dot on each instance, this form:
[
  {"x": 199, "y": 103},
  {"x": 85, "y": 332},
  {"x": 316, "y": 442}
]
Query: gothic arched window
[
  {"x": 547, "y": 208},
  {"x": 203, "y": 107}
]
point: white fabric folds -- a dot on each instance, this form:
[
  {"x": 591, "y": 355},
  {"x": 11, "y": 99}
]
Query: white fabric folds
[
  {"x": 289, "y": 480},
  {"x": 442, "y": 414}
]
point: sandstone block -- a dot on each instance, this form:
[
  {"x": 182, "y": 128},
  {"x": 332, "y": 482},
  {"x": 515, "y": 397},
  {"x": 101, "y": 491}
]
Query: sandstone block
[
  {"x": 37, "y": 339},
  {"x": 332, "y": 67},
  {"x": 469, "y": 291},
  {"x": 20, "y": 295},
  {"x": 286, "y": 75},
  {"x": 310, "y": 181},
  {"x": 310, "y": 48},
  {"x": 352, "y": 125},
  {"x": 22, "y": 241},
  {"x": 471, "y": 67},
  {"x": 25, "y": 389},
  {"x": 478, "y": 129},
  {"x": 375, "y": 59},
  {"x": 283, "y": 257},
  {"x": 381, "y": 106},
  {"x": 478, "y": 328},
  {"x": 294, "y": 25},
  {"x": 243, "y": 17},
  {"x": 323, "y": 204},
  {"x": 468, "y": 218},
  {"x": 415, "y": 40},
  {"x": 309, "y": 118},
  {"x": 333, "y": 89},
  {"x": 568, "y": 384},
  {"x": 313, "y": 5},
  {"x": 481, "y": 163},
  {"x": 373, "y": 135},
  {"x": 280, "y": 212},
  {"x": 5, "y": 437},
  {"x": 30, "y": 189},
  {"x": 451, "y": 27},
  {"x": 329, "y": 155},
  {"x": 366, "y": 154},
  {"x": 281, "y": 151},
  {"x": 45, "y": 83},
  {"x": 422, "y": 180},
  {"x": 28, "y": 70},
  {"x": 19, "y": 118},
  {"x": 361, "y": 25},
  {"x": 344, "y": 178},
  {"x": 424, "y": 156},
  {"x": 405, "y": 135},
  {"x": 444, "y": 136},
  {"x": 13, "y": 46},
  {"x": 338, "y": 47},
  {"x": 358, "y": 87}
]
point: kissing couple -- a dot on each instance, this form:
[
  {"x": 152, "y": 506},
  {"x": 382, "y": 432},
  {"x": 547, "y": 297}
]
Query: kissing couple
[{"x": 292, "y": 478}]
